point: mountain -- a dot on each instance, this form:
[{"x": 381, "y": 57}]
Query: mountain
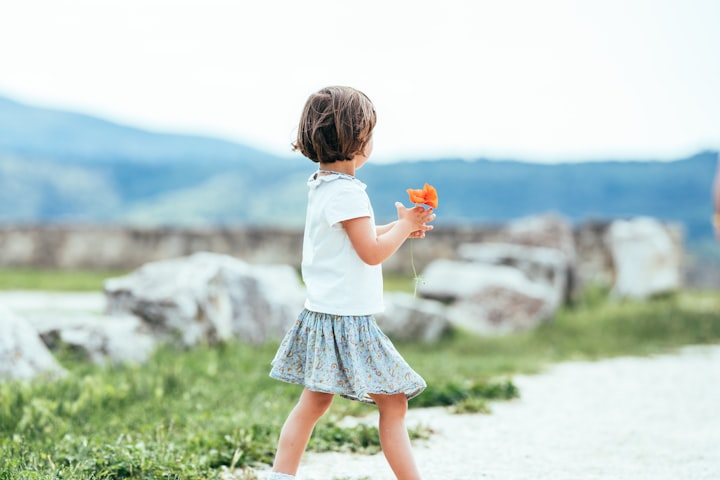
[
  {"x": 58, "y": 166},
  {"x": 65, "y": 166},
  {"x": 41, "y": 133},
  {"x": 495, "y": 191}
]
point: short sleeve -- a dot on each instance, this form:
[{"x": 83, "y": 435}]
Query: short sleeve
[{"x": 346, "y": 203}]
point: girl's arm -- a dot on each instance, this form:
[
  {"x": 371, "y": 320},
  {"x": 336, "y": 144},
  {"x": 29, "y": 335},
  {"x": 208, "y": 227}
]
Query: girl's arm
[
  {"x": 374, "y": 244},
  {"x": 380, "y": 229}
]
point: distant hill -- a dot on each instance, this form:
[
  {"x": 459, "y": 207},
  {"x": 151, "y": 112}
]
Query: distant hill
[
  {"x": 40, "y": 133},
  {"x": 60, "y": 166},
  {"x": 492, "y": 191}
]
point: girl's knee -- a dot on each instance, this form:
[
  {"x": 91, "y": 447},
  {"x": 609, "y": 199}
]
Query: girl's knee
[
  {"x": 391, "y": 405},
  {"x": 318, "y": 402}
]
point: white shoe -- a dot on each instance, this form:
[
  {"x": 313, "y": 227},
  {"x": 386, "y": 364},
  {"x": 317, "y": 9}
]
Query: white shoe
[{"x": 280, "y": 476}]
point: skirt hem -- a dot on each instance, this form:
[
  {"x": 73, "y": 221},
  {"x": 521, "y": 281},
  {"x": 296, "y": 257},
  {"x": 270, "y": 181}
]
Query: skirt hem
[{"x": 363, "y": 396}]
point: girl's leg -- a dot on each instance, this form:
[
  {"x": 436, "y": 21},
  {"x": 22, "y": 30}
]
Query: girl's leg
[
  {"x": 296, "y": 431},
  {"x": 394, "y": 437}
]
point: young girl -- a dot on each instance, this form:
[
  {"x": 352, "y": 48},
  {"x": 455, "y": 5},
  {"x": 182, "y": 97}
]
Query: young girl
[{"x": 335, "y": 346}]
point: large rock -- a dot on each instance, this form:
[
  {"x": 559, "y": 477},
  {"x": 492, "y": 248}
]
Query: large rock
[
  {"x": 594, "y": 262},
  {"x": 409, "y": 318},
  {"x": 207, "y": 297},
  {"x": 488, "y": 298},
  {"x": 548, "y": 232},
  {"x": 547, "y": 266},
  {"x": 497, "y": 310},
  {"x": 103, "y": 339},
  {"x": 646, "y": 259},
  {"x": 75, "y": 320},
  {"x": 23, "y": 355}
]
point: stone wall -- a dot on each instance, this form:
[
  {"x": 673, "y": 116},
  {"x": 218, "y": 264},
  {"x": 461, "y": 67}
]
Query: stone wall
[
  {"x": 107, "y": 247},
  {"x": 126, "y": 248}
]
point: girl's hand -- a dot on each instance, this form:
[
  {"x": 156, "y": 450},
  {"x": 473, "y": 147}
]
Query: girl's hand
[
  {"x": 375, "y": 244},
  {"x": 420, "y": 233},
  {"x": 417, "y": 218}
]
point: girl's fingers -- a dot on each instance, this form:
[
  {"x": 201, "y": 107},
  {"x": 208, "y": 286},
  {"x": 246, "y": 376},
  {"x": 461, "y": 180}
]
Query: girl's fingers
[
  {"x": 428, "y": 218},
  {"x": 421, "y": 233}
]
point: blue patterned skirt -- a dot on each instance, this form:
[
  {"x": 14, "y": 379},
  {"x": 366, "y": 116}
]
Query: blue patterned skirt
[{"x": 345, "y": 355}]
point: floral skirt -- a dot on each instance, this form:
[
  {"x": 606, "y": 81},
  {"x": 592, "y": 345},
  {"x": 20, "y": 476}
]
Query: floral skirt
[{"x": 345, "y": 355}]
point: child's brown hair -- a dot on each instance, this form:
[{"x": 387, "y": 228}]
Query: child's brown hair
[{"x": 336, "y": 125}]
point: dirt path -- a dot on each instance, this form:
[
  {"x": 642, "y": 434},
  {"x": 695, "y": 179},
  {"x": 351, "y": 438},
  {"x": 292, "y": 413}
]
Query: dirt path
[{"x": 620, "y": 419}]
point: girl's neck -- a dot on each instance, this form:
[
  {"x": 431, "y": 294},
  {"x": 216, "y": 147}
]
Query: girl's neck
[{"x": 347, "y": 167}]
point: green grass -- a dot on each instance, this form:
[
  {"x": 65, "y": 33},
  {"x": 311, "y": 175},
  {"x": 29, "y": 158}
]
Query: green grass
[
  {"x": 398, "y": 283},
  {"x": 189, "y": 414},
  {"x": 56, "y": 280}
]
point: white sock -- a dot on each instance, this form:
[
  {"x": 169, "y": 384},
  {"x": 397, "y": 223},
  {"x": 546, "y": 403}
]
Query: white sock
[{"x": 280, "y": 476}]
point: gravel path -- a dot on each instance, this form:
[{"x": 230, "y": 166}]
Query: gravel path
[{"x": 652, "y": 418}]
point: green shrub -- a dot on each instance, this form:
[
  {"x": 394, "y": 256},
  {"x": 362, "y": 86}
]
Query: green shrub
[{"x": 445, "y": 394}]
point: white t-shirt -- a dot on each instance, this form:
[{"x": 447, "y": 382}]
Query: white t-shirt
[{"x": 338, "y": 282}]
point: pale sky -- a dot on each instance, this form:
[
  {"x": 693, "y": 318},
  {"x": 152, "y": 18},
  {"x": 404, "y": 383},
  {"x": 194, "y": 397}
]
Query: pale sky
[{"x": 540, "y": 80}]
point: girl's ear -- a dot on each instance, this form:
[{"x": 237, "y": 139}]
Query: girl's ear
[{"x": 367, "y": 151}]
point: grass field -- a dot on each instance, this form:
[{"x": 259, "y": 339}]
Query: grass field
[
  {"x": 56, "y": 280},
  {"x": 189, "y": 414}
]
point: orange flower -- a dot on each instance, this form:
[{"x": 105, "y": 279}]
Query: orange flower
[{"x": 427, "y": 196}]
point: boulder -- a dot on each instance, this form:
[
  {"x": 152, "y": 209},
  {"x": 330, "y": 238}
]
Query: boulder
[
  {"x": 646, "y": 258},
  {"x": 23, "y": 355},
  {"x": 488, "y": 298},
  {"x": 594, "y": 262},
  {"x": 547, "y": 266},
  {"x": 409, "y": 318},
  {"x": 497, "y": 310},
  {"x": 207, "y": 297},
  {"x": 115, "y": 339},
  {"x": 450, "y": 280},
  {"x": 547, "y": 232}
]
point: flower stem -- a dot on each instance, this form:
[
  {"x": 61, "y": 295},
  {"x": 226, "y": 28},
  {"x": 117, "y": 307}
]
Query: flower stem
[{"x": 416, "y": 278}]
